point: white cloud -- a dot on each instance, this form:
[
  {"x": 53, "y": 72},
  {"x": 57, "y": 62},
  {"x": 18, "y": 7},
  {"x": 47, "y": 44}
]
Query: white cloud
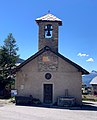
[
  {"x": 82, "y": 55},
  {"x": 90, "y": 60}
]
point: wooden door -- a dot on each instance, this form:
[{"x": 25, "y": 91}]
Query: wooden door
[{"x": 48, "y": 93}]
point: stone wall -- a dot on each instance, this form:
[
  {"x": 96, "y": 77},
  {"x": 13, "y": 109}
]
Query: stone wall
[{"x": 51, "y": 42}]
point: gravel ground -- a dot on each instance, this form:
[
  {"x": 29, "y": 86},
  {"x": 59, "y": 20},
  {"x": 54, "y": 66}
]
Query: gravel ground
[{"x": 12, "y": 112}]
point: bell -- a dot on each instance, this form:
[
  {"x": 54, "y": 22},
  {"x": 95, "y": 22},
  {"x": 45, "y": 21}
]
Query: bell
[{"x": 48, "y": 33}]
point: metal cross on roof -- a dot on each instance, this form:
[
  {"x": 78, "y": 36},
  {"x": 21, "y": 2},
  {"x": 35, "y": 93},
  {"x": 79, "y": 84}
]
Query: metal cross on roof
[{"x": 48, "y": 11}]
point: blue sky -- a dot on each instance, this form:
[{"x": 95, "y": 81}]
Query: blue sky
[{"x": 77, "y": 35}]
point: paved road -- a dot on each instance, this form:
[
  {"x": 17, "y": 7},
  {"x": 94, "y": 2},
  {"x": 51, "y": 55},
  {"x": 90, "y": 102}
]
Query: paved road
[{"x": 12, "y": 112}]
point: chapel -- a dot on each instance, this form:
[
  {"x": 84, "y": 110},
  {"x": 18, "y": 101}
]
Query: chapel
[{"x": 48, "y": 75}]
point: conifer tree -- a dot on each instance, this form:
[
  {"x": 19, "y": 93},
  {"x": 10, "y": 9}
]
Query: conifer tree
[{"x": 8, "y": 56}]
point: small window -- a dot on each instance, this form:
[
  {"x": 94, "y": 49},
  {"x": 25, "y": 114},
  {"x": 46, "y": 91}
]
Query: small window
[
  {"x": 48, "y": 76},
  {"x": 48, "y": 31}
]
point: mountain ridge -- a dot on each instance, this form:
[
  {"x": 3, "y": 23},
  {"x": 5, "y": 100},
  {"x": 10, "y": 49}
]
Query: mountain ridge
[{"x": 86, "y": 79}]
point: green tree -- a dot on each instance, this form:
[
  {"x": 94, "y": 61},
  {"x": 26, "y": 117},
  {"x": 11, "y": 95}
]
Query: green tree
[
  {"x": 3, "y": 62},
  {"x": 8, "y": 58}
]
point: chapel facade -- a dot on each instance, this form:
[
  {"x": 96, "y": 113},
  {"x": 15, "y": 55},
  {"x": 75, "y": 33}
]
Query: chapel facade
[{"x": 47, "y": 75}]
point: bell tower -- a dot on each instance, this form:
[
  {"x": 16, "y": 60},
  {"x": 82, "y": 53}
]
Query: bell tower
[{"x": 48, "y": 31}]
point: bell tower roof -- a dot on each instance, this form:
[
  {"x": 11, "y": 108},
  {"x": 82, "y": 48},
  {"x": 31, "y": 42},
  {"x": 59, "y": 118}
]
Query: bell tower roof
[{"x": 49, "y": 18}]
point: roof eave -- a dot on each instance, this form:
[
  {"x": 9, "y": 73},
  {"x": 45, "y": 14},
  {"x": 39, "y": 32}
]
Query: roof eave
[
  {"x": 46, "y": 48},
  {"x": 59, "y": 22},
  {"x": 85, "y": 72}
]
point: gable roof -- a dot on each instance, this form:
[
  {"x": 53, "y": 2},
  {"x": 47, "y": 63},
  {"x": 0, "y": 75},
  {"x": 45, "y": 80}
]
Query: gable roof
[
  {"x": 46, "y": 48},
  {"x": 49, "y": 17},
  {"x": 94, "y": 81}
]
